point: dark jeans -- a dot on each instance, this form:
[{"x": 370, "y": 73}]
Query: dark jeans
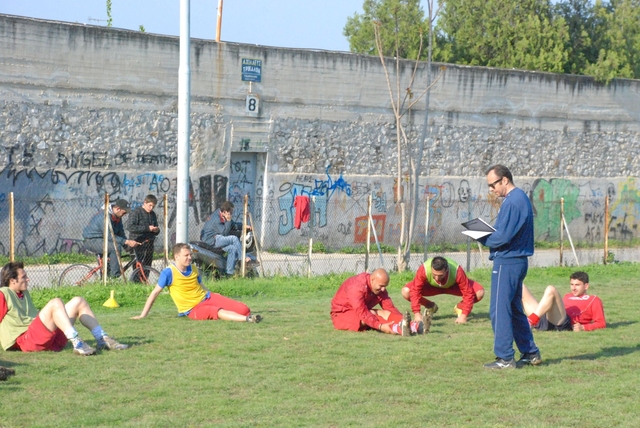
[
  {"x": 144, "y": 253},
  {"x": 96, "y": 245}
]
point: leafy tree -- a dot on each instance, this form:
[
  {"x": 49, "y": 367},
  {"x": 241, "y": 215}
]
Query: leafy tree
[
  {"x": 409, "y": 148},
  {"x": 502, "y": 33},
  {"x": 619, "y": 48},
  {"x": 404, "y": 18},
  {"x": 109, "y": 17},
  {"x": 585, "y": 32}
]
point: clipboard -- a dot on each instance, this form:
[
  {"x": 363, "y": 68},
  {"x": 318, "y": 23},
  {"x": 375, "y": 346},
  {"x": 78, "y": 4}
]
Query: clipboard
[{"x": 477, "y": 228}]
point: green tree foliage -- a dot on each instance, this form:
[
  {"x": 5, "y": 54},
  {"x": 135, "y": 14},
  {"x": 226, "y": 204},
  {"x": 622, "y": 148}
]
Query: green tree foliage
[
  {"x": 402, "y": 17},
  {"x": 109, "y": 17},
  {"x": 619, "y": 47},
  {"x": 502, "y": 33},
  {"x": 585, "y": 32},
  {"x": 596, "y": 38}
]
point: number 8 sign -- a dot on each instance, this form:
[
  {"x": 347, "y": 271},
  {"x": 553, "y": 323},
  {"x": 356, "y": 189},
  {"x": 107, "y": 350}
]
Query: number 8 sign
[{"x": 252, "y": 105}]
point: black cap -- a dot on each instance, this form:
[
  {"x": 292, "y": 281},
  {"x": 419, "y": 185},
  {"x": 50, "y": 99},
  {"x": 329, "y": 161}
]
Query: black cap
[{"x": 122, "y": 204}]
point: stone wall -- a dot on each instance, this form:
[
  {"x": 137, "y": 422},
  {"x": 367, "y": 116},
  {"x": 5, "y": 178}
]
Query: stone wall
[{"x": 86, "y": 110}]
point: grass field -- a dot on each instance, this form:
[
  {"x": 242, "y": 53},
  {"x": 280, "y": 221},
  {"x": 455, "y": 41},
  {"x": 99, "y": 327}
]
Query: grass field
[{"x": 293, "y": 369}]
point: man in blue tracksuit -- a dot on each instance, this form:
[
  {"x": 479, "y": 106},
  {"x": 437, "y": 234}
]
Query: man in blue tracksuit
[{"x": 510, "y": 245}]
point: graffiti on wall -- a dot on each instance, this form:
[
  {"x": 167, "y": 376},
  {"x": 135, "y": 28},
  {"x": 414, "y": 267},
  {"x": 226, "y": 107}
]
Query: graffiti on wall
[
  {"x": 625, "y": 212},
  {"x": 546, "y": 197},
  {"x": 54, "y": 204},
  {"x": 320, "y": 190},
  {"x": 362, "y": 223}
]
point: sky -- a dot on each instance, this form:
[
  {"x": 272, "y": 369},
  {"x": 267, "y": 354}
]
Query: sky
[{"x": 284, "y": 23}]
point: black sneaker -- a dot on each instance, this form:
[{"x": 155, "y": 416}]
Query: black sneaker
[
  {"x": 5, "y": 372},
  {"x": 499, "y": 363},
  {"x": 254, "y": 318},
  {"x": 530, "y": 359}
]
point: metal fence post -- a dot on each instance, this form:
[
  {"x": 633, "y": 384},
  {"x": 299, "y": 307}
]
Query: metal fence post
[
  {"x": 368, "y": 244},
  {"x": 561, "y": 229},
  {"x": 311, "y": 228},
  {"x": 105, "y": 246},
  {"x": 469, "y": 239},
  {"x": 426, "y": 228},
  {"x": 243, "y": 262},
  {"x": 12, "y": 230},
  {"x": 606, "y": 229}
]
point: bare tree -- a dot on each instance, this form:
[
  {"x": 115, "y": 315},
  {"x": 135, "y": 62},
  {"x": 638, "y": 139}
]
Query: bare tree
[{"x": 411, "y": 147}]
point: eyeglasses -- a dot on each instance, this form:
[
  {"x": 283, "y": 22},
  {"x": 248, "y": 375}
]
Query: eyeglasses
[{"x": 493, "y": 185}]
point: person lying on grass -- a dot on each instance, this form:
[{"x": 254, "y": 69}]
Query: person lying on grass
[
  {"x": 352, "y": 306},
  {"x": 23, "y": 328},
  {"x": 576, "y": 311},
  {"x": 189, "y": 295}
]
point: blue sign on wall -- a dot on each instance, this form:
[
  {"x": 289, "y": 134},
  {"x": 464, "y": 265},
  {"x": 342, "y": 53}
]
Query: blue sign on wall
[{"x": 251, "y": 70}]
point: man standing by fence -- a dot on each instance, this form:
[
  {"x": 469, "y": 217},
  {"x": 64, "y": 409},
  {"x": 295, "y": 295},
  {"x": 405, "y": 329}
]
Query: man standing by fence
[
  {"x": 510, "y": 245},
  {"x": 93, "y": 234},
  {"x": 143, "y": 228}
]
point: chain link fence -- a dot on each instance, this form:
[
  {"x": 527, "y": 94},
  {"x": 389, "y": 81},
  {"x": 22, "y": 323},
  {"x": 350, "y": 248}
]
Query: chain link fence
[{"x": 333, "y": 240}]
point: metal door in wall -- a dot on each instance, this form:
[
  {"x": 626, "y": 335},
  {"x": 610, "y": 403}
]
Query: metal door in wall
[{"x": 242, "y": 181}]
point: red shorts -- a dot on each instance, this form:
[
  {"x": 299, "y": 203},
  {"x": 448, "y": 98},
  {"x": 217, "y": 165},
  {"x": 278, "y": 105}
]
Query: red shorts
[
  {"x": 208, "y": 308},
  {"x": 39, "y": 338},
  {"x": 454, "y": 290},
  {"x": 350, "y": 321}
]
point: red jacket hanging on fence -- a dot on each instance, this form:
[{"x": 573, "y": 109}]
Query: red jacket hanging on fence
[{"x": 301, "y": 203}]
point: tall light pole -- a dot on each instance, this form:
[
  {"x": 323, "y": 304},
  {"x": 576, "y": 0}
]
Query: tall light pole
[{"x": 184, "y": 96}]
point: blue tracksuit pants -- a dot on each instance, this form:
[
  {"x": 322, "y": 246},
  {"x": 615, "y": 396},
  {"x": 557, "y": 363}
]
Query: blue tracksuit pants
[{"x": 508, "y": 319}]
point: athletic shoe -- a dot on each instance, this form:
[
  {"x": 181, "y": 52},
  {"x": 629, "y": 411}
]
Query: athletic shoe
[
  {"x": 427, "y": 317},
  {"x": 109, "y": 343},
  {"x": 499, "y": 364},
  {"x": 81, "y": 348},
  {"x": 457, "y": 310},
  {"x": 417, "y": 327},
  {"x": 406, "y": 324},
  {"x": 530, "y": 359},
  {"x": 5, "y": 372},
  {"x": 433, "y": 309},
  {"x": 254, "y": 318}
]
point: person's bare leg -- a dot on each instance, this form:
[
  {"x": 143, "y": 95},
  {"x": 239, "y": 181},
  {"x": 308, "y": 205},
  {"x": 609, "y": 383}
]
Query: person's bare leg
[
  {"x": 480, "y": 295},
  {"x": 529, "y": 303},
  {"x": 551, "y": 304},
  {"x": 78, "y": 308},
  {"x": 226, "y": 315},
  {"x": 381, "y": 313},
  {"x": 405, "y": 293},
  {"x": 54, "y": 315}
]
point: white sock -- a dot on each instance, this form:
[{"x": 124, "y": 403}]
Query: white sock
[
  {"x": 396, "y": 328},
  {"x": 71, "y": 334},
  {"x": 98, "y": 332}
]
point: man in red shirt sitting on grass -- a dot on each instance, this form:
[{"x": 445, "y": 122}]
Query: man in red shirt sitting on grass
[
  {"x": 576, "y": 311},
  {"x": 352, "y": 306}
]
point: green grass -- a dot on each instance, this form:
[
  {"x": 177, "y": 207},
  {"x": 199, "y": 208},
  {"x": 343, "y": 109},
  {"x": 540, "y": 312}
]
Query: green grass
[{"x": 293, "y": 369}]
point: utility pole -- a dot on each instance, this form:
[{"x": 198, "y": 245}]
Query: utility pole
[{"x": 219, "y": 27}]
